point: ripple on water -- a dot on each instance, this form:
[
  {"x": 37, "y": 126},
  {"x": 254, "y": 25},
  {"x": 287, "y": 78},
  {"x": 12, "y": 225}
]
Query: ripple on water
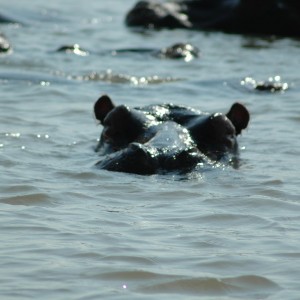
[
  {"x": 28, "y": 199},
  {"x": 25, "y": 194}
]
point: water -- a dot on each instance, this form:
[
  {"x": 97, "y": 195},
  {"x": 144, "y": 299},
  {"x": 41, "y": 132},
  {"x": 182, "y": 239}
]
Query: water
[{"x": 71, "y": 231}]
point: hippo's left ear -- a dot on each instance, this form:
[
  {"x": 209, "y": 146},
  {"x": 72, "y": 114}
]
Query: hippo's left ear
[
  {"x": 239, "y": 117},
  {"x": 102, "y": 107}
]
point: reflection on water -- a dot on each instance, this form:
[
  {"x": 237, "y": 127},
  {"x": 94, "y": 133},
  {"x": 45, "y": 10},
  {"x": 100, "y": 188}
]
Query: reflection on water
[
  {"x": 271, "y": 85},
  {"x": 109, "y": 76}
]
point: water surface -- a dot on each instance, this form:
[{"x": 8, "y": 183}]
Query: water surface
[{"x": 71, "y": 231}]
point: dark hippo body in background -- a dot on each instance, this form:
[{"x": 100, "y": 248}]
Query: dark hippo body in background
[
  {"x": 279, "y": 17},
  {"x": 4, "y": 44},
  {"x": 162, "y": 138},
  {"x": 5, "y": 19}
]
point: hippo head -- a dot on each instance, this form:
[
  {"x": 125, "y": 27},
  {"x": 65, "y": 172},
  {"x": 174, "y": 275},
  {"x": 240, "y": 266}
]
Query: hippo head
[
  {"x": 180, "y": 50},
  {"x": 121, "y": 125}
]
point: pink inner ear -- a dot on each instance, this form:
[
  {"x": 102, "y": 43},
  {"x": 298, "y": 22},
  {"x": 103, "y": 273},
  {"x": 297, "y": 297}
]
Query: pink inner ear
[{"x": 102, "y": 107}]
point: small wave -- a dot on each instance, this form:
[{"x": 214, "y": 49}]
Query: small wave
[
  {"x": 78, "y": 175},
  {"x": 128, "y": 259},
  {"x": 131, "y": 276},
  {"x": 231, "y": 219},
  {"x": 247, "y": 287},
  {"x": 27, "y": 200}
]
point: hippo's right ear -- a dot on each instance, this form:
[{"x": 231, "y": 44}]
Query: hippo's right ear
[
  {"x": 102, "y": 107},
  {"x": 239, "y": 116}
]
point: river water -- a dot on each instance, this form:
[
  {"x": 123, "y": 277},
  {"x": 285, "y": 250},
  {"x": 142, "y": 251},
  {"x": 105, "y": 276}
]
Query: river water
[{"x": 71, "y": 231}]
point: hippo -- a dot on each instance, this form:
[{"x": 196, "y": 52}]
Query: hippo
[
  {"x": 272, "y": 85},
  {"x": 267, "y": 17},
  {"x": 75, "y": 48},
  {"x": 4, "y": 44},
  {"x": 184, "y": 51},
  {"x": 166, "y": 137}
]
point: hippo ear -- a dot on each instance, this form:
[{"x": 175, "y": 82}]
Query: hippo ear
[
  {"x": 239, "y": 117},
  {"x": 102, "y": 107}
]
